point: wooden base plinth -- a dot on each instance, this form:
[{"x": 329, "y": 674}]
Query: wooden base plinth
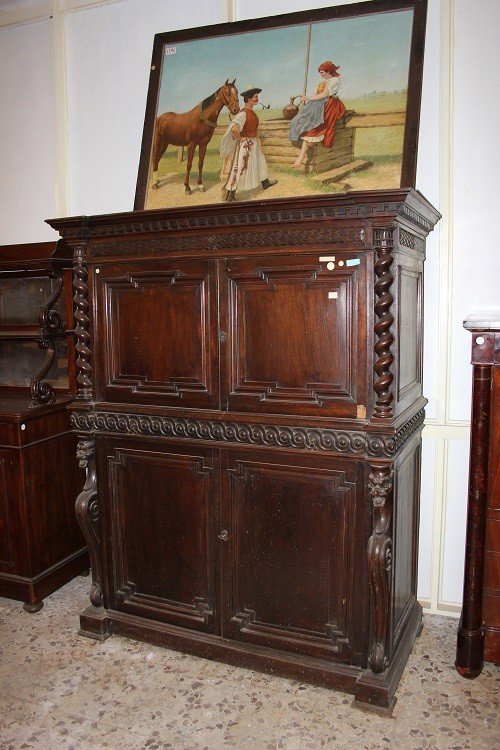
[
  {"x": 470, "y": 645},
  {"x": 32, "y": 591},
  {"x": 372, "y": 692}
]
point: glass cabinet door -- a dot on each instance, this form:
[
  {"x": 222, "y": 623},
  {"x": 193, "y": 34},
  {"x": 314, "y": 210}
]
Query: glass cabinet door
[{"x": 22, "y": 298}]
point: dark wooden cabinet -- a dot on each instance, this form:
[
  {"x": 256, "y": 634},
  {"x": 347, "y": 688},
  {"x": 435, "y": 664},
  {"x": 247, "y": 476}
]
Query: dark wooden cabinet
[
  {"x": 249, "y": 412},
  {"x": 479, "y": 628},
  {"x": 41, "y": 546}
]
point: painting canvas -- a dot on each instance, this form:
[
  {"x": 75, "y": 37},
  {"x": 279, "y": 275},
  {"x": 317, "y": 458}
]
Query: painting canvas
[{"x": 299, "y": 105}]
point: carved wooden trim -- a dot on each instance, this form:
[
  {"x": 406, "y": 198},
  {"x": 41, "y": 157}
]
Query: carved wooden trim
[
  {"x": 82, "y": 322},
  {"x": 304, "y": 438},
  {"x": 380, "y": 486},
  {"x": 417, "y": 218},
  {"x": 411, "y": 241},
  {"x": 407, "y": 430},
  {"x": 283, "y": 238},
  {"x": 50, "y": 325},
  {"x": 87, "y": 514},
  {"x": 41, "y": 390},
  {"x": 383, "y": 238},
  {"x": 157, "y": 221}
]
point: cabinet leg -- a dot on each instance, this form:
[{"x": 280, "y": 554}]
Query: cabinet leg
[{"x": 33, "y": 607}]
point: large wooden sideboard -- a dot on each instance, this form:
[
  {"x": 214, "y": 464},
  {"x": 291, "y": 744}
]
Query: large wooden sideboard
[
  {"x": 249, "y": 412},
  {"x": 478, "y": 637},
  {"x": 41, "y": 545}
]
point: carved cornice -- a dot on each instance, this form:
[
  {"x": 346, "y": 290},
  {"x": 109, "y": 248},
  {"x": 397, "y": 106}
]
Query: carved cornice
[
  {"x": 417, "y": 218},
  {"x": 148, "y": 222},
  {"x": 282, "y": 238},
  {"x": 302, "y": 438},
  {"x": 409, "y": 428},
  {"x": 249, "y": 218}
]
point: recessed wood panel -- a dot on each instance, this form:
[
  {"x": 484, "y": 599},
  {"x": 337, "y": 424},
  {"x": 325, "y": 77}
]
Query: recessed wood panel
[
  {"x": 6, "y": 561},
  {"x": 162, "y": 514},
  {"x": 409, "y": 338},
  {"x": 159, "y": 334},
  {"x": 297, "y": 336},
  {"x": 407, "y": 485},
  {"x": 291, "y": 543}
]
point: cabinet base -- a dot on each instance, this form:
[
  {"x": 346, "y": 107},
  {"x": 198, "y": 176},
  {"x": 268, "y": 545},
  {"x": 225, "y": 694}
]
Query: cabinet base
[
  {"x": 372, "y": 692},
  {"x": 32, "y": 591}
]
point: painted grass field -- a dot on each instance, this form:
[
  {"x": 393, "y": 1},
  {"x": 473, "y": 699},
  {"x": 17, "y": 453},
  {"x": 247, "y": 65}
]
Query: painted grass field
[{"x": 380, "y": 145}]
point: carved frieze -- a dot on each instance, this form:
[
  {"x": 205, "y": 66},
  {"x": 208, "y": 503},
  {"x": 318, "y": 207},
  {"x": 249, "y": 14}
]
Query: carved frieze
[
  {"x": 411, "y": 241},
  {"x": 303, "y": 438},
  {"x": 282, "y": 238}
]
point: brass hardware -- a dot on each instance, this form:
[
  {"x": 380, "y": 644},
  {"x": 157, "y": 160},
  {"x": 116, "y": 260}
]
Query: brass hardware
[
  {"x": 361, "y": 411},
  {"x": 222, "y": 337},
  {"x": 224, "y": 535}
]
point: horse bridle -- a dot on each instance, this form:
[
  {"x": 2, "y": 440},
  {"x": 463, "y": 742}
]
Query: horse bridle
[
  {"x": 207, "y": 122},
  {"x": 204, "y": 119}
]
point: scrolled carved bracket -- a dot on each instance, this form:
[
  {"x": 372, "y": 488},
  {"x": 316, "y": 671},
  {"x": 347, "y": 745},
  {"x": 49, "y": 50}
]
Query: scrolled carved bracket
[
  {"x": 49, "y": 319},
  {"x": 82, "y": 323},
  {"x": 383, "y": 238},
  {"x": 87, "y": 513},
  {"x": 50, "y": 325},
  {"x": 41, "y": 390},
  {"x": 380, "y": 487}
]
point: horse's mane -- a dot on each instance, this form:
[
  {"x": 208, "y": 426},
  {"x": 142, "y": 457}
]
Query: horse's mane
[{"x": 208, "y": 101}]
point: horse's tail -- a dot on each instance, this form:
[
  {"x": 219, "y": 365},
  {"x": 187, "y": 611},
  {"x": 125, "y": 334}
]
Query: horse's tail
[{"x": 156, "y": 155}]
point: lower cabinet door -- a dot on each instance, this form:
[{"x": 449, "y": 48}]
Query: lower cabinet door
[
  {"x": 161, "y": 511},
  {"x": 294, "y": 525},
  {"x": 14, "y": 554}
]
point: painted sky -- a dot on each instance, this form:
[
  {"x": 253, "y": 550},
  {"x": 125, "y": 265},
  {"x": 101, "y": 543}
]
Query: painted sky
[{"x": 372, "y": 52}]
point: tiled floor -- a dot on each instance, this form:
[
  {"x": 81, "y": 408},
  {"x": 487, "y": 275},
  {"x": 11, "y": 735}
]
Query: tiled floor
[{"x": 59, "y": 690}]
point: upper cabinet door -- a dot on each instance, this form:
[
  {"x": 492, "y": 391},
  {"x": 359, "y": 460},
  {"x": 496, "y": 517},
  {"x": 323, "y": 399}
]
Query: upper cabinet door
[
  {"x": 156, "y": 338},
  {"x": 297, "y": 335}
]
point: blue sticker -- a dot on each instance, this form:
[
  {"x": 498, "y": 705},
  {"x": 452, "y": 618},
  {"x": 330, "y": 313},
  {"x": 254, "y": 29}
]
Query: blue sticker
[{"x": 353, "y": 262}]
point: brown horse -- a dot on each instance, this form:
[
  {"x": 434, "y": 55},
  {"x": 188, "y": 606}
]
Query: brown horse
[{"x": 193, "y": 128}]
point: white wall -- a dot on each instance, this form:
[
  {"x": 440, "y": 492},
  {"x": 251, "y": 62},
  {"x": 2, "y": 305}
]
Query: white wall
[
  {"x": 79, "y": 80},
  {"x": 26, "y": 133}
]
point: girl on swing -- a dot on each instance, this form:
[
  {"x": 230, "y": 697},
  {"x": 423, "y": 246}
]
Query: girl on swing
[{"x": 316, "y": 121}]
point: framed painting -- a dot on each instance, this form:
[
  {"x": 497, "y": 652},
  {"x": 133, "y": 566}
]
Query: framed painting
[{"x": 296, "y": 105}]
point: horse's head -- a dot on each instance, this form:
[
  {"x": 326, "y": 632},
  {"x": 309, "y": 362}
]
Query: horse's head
[{"x": 229, "y": 96}]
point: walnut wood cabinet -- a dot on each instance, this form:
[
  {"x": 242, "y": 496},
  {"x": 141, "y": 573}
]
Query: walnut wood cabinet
[
  {"x": 249, "y": 412},
  {"x": 41, "y": 546},
  {"x": 478, "y": 637}
]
